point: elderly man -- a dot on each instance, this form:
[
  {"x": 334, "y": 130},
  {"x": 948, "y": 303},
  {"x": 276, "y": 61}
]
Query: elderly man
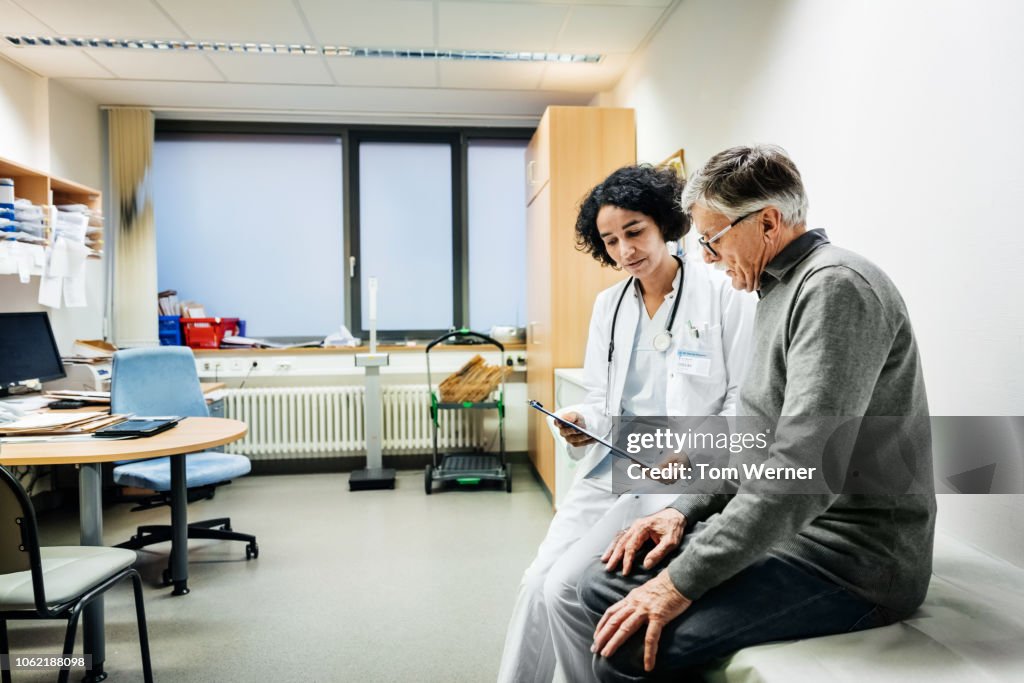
[{"x": 831, "y": 338}]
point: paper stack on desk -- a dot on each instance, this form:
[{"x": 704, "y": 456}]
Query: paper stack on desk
[
  {"x": 47, "y": 424},
  {"x": 73, "y": 394}
]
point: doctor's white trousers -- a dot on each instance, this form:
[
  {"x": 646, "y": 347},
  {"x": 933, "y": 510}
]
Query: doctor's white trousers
[{"x": 547, "y": 621}]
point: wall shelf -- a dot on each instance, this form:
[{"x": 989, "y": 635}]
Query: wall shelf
[{"x": 44, "y": 189}]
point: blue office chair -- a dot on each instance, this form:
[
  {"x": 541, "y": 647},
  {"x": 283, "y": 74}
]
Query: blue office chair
[{"x": 163, "y": 381}]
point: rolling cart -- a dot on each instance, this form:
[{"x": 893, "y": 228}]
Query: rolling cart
[{"x": 467, "y": 468}]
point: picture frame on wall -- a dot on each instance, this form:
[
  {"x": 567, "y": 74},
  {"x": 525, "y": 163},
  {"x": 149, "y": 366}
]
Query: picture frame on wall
[{"x": 677, "y": 162}]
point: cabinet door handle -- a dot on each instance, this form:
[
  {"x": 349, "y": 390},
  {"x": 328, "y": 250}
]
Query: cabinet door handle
[
  {"x": 530, "y": 175},
  {"x": 533, "y": 334}
]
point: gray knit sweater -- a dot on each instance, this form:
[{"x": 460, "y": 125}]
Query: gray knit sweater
[{"x": 831, "y": 338}]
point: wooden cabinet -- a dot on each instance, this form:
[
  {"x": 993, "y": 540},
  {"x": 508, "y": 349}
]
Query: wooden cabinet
[
  {"x": 538, "y": 160},
  {"x": 573, "y": 149}
]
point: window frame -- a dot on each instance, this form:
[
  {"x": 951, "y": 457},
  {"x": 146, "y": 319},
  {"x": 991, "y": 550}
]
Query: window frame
[{"x": 351, "y": 136}]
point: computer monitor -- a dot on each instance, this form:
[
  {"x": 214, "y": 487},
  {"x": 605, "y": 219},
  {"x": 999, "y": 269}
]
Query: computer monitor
[{"x": 27, "y": 349}]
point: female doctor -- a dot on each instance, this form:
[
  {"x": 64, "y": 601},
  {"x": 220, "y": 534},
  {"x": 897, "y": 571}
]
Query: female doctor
[{"x": 645, "y": 333}]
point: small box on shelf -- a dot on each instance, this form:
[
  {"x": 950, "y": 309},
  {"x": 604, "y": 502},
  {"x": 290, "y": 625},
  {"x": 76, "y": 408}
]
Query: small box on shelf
[
  {"x": 170, "y": 330},
  {"x": 207, "y": 333}
]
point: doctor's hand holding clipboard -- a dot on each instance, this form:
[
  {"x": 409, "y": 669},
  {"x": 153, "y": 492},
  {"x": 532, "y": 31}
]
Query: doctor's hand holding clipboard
[
  {"x": 567, "y": 427},
  {"x": 573, "y": 437}
]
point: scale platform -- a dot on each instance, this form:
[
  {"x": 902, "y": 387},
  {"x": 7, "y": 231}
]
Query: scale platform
[{"x": 371, "y": 478}]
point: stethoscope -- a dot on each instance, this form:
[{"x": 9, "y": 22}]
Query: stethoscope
[{"x": 661, "y": 342}]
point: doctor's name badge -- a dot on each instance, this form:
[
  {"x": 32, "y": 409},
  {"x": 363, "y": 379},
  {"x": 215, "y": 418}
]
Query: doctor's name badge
[{"x": 691, "y": 362}]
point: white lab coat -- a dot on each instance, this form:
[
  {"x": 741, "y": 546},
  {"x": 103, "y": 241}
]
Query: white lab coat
[{"x": 724, "y": 317}]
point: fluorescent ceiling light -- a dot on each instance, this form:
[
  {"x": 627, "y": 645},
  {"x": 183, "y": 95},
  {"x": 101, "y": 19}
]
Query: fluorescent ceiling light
[{"x": 294, "y": 49}]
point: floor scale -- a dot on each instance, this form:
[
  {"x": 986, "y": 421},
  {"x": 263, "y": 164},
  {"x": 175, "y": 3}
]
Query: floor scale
[{"x": 374, "y": 475}]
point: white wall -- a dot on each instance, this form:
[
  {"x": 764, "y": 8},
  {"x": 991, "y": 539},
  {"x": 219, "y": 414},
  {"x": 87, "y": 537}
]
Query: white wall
[
  {"x": 905, "y": 120},
  {"x": 53, "y": 129},
  {"x": 77, "y": 137},
  {"x": 24, "y": 130}
]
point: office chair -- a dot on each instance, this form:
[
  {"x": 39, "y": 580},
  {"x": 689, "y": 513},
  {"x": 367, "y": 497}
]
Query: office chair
[
  {"x": 55, "y": 582},
  {"x": 163, "y": 381}
]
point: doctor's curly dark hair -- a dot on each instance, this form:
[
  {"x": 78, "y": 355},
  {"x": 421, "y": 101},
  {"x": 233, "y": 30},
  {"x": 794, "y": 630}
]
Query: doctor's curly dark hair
[{"x": 653, "y": 192}]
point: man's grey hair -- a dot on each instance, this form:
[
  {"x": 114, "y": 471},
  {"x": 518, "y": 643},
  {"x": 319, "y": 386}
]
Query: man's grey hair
[{"x": 741, "y": 180}]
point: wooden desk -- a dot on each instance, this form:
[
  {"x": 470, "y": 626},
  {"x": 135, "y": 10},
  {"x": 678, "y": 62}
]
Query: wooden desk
[{"x": 191, "y": 435}]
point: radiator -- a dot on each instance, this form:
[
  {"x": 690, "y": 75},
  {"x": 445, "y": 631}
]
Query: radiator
[{"x": 303, "y": 422}]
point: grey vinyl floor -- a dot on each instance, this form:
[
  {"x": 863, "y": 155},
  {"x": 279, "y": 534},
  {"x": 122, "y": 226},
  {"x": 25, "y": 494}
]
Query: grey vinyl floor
[{"x": 365, "y": 586}]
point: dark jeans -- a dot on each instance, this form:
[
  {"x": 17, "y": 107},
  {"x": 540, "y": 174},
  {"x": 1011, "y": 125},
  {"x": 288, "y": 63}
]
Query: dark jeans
[{"x": 771, "y": 600}]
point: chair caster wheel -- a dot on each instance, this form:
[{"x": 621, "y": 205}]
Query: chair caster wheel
[
  {"x": 227, "y": 527},
  {"x": 252, "y": 551}
]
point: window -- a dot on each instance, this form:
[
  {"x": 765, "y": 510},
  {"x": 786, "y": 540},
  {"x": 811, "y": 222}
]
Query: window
[
  {"x": 282, "y": 225},
  {"x": 497, "y": 233},
  {"x": 251, "y": 227},
  {"x": 405, "y": 234}
]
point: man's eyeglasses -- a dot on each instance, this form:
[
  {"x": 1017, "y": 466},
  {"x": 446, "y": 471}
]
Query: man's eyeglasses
[{"x": 706, "y": 243}]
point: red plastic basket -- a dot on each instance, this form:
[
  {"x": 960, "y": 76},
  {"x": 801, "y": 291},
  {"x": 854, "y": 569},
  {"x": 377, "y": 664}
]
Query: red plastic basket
[{"x": 207, "y": 333}]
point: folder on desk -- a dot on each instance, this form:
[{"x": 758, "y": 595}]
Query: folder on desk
[{"x": 138, "y": 427}]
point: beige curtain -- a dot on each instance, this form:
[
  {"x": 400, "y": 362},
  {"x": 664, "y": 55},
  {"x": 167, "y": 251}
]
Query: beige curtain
[{"x": 134, "y": 288}]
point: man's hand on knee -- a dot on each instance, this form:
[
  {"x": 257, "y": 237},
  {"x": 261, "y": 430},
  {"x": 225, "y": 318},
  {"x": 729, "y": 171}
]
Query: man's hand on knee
[
  {"x": 664, "y": 528},
  {"x": 655, "y": 603}
]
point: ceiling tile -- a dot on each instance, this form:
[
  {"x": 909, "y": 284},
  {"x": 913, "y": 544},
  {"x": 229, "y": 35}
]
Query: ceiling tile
[
  {"x": 56, "y": 62},
  {"x": 17, "y": 20},
  {"x": 258, "y": 68},
  {"x": 272, "y": 21},
  {"x": 607, "y": 29},
  {"x": 332, "y": 103},
  {"x": 591, "y": 78},
  {"x": 371, "y": 23},
  {"x": 157, "y": 66},
  {"x": 380, "y": 72},
  {"x": 491, "y": 75},
  {"x": 104, "y": 18},
  {"x": 499, "y": 26}
]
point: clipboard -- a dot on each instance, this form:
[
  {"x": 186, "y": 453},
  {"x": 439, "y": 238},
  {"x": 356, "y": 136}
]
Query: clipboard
[
  {"x": 138, "y": 427},
  {"x": 614, "y": 449}
]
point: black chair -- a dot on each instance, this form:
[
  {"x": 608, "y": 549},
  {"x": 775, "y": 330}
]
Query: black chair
[{"x": 55, "y": 582}]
